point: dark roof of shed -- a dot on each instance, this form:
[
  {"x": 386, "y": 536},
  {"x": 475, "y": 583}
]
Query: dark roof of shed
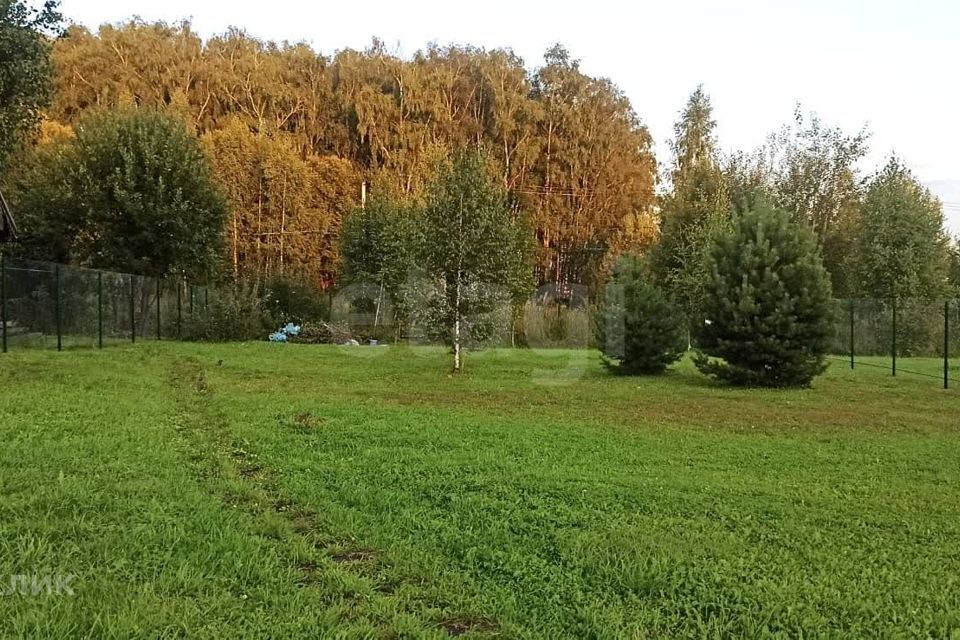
[{"x": 8, "y": 228}]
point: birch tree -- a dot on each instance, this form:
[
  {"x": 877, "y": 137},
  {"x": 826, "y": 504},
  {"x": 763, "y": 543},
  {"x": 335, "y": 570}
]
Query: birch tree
[
  {"x": 816, "y": 179},
  {"x": 904, "y": 249},
  {"x": 377, "y": 247},
  {"x": 567, "y": 146},
  {"x": 475, "y": 257}
]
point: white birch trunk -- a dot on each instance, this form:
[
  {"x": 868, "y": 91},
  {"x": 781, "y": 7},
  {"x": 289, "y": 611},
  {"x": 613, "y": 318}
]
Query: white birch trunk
[
  {"x": 457, "y": 364},
  {"x": 236, "y": 258},
  {"x": 260, "y": 265},
  {"x": 376, "y": 316},
  {"x": 456, "y": 331}
]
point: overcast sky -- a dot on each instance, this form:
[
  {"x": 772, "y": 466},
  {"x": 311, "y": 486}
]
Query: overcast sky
[{"x": 889, "y": 65}]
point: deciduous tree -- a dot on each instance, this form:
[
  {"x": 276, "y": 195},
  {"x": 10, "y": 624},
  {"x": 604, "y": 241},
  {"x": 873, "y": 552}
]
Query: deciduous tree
[
  {"x": 903, "y": 248},
  {"x": 472, "y": 251},
  {"x": 25, "y": 73},
  {"x": 286, "y": 207},
  {"x": 378, "y": 250},
  {"x": 594, "y": 168},
  {"x": 132, "y": 192},
  {"x": 815, "y": 178},
  {"x": 568, "y": 147},
  {"x": 954, "y": 274}
]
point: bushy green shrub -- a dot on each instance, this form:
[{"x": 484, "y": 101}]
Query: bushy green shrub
[
  {"x": 639, "y": 331},
  {"x": 131, "y": 192},
  {"x": 234, "y": 314},
  {"x": 288, "y": 300},
  {"x": 767, "y": 304}
]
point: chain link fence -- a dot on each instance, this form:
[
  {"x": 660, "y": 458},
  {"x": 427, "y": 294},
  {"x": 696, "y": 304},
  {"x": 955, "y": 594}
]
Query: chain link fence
[
  {"x": 53, "y": 306},
  {"x": 914, "y": 337}
]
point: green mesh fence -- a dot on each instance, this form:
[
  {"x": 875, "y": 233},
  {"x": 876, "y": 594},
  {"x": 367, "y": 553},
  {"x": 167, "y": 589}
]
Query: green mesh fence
[
  {"x": 52, "y": 306},
  {"x": 907, "y": 337},
  {"x": 29, "y": 304}
]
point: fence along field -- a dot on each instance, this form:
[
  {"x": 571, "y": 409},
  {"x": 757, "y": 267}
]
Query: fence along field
[
  {"x": 47, "y": 305},
  {"x": 54, "y": 306}
]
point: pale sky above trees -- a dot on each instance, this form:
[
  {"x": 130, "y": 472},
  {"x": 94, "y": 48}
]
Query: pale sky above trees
[{"x": 883, "y": 63}]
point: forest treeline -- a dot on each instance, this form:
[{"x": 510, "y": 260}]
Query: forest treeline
[
  {"x": 294, "y": 137},
  {"x": 293, "y": 134}
]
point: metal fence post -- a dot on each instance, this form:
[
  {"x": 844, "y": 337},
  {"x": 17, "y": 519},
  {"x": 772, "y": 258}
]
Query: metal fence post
[
  {"x": 133, "y": 313},
  {"x": 852, "y": 346},
  {"x": 56, "y": 307},
  {"x": 893, "y": 341},
  {"x": 158, "y": 309},
  {"x": 946, "y": 344},
  {"x": 3, "y": 300},
  {"x": 179, "y": 308},
  {"x": 100, "y": 309}
]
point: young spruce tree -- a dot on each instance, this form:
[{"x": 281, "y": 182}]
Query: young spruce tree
[
  {"x": 767, "y": 304},
  {"x": 639, "y": 330}
]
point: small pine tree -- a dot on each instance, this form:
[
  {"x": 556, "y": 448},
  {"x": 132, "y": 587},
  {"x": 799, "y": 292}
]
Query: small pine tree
[
  {"x": 639, "y": 330},
  {"x": 767, "y": 304}
]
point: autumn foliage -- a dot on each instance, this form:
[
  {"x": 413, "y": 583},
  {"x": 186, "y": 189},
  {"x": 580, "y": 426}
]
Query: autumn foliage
[{"x": 292, "y": 135}]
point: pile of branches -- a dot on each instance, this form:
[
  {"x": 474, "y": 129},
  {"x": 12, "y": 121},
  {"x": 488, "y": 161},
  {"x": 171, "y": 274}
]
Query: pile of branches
[{"x": 323, "y": 333}]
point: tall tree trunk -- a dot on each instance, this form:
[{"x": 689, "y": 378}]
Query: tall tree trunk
[
  {"x": 283, "y": 221},
  {"x": 457, "y": 360},
  {"x": 260, "y": 265},
  {"x": 376, "y": 316},
  {"x": 236, "y": 263},
  {"x": 456, "y": 330}
]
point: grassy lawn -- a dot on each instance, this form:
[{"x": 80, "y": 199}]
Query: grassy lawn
[{"x": 262, "y": 490}]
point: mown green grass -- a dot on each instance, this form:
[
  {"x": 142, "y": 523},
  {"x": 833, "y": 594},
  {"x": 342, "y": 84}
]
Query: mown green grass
[{"x": 262, "y": 490}]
